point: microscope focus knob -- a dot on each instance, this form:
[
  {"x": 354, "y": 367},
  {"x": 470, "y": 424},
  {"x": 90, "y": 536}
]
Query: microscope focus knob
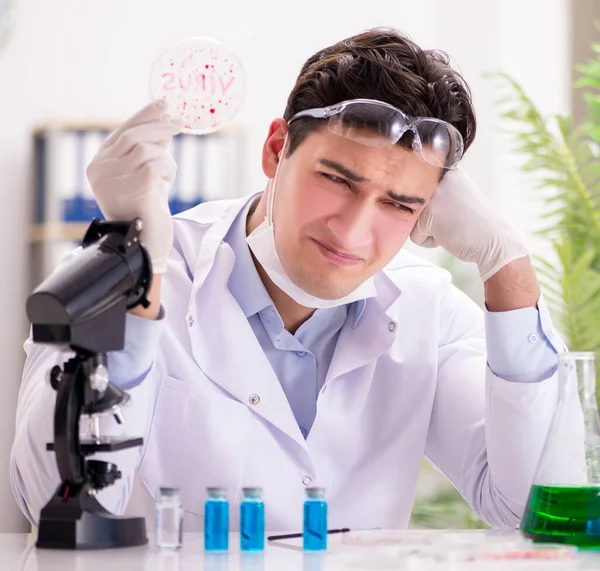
[{"x": 55, "y": 377}]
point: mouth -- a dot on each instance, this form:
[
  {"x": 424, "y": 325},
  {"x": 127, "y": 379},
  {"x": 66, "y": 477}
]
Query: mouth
[{"x": 337, "y": 257}]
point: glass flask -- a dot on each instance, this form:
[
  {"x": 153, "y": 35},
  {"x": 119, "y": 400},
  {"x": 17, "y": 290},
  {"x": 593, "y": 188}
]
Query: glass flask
[{"x": 564, "y": 501}]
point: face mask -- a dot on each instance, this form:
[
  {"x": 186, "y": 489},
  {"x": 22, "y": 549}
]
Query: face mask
[{"x": 262, "y": 243}]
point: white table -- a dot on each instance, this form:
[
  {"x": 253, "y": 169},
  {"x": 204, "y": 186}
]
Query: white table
[{"x": 352, "y": 552}]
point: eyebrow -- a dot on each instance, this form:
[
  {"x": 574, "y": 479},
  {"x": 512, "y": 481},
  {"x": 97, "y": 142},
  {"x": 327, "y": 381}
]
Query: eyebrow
[
  {"x": 349, "y": 174},
  {"x": 355, "y": 177}
]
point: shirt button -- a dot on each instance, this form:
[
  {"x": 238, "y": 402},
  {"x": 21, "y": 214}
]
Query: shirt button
[
  {"x": 392, "y": 326},
  {"x": 254, "y": 399},
  {"x": 533, "y": 338},
  {"x": 190, "y": 320},
  {"x": 300, "y": 353},
  {"x": 307, "y": 480}
]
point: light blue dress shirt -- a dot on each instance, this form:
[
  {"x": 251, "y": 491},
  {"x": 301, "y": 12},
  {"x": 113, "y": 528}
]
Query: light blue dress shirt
[{"x": 517, "y": 348}]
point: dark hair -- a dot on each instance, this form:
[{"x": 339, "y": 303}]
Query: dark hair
[{"x": 382, "y": 64}]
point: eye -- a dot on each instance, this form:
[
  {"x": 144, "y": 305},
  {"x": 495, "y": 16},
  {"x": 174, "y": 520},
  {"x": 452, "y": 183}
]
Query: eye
[
  {"x": 401, "y": 207},
  {"x": 334, "y": 179}
]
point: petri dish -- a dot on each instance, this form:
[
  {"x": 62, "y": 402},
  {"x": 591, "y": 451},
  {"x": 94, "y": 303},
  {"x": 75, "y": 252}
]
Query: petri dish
[
  {"x": 499, "y": 558},
  {"x": 202, "y": 81},
  {"x": 387, "y": 538}
]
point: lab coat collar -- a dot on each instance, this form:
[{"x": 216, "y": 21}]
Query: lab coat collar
[
  {"x": 245, "y": 283},
  {"x": 219, "y": 215},
  {"x": 387, "y": 291},
  {"x": 367, "y": 339}
]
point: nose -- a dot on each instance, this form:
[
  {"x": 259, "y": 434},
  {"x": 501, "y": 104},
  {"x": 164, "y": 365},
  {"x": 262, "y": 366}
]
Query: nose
[{"x": 352, "y": 225}]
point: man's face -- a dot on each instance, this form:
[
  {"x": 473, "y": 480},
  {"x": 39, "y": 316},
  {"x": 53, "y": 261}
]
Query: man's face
[{"x": 343, "y": 210}]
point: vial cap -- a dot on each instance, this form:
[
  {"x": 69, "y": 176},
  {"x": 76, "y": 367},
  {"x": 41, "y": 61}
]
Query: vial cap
[
  {"x": 169, "y": 492},
  {"x": 315, "y": 492},
  {"x": 252, "y": 491},
  {"x": 215, "y": 491}
]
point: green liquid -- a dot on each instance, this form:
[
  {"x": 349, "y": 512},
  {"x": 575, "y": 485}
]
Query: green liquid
[{"x": 568, "y": 515}]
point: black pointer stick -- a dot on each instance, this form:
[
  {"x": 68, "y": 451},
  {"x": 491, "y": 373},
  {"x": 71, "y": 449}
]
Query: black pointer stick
[{"x": 295, "y": 535}]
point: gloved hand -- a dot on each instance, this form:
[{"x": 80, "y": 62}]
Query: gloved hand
[
  {"x": 466, "y": 224},
  {"x": 131, "y": 174}
]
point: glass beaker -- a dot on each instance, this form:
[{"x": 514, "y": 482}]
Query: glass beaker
[{"x": 564, "y": 501}]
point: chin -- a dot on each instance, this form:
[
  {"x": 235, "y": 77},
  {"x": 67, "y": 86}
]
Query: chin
[
  {"x": 328, "y": 295},
  {"x": 335, "y": 286},
  {"x": 326, "y": 291}
]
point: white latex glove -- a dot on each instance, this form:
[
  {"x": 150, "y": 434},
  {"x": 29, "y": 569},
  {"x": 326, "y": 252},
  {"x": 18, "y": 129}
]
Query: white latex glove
[
  {"x": 131, "y": 174},
  {"x": 460, "y": 219}
]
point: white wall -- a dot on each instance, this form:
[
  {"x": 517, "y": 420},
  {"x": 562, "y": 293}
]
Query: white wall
[{"x": 83, "y": 60}]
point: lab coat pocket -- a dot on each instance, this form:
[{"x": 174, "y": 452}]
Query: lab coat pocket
[{"x": 198, "y": 438}]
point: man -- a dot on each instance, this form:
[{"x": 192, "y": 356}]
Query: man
[{"x": 291, "y": 343}]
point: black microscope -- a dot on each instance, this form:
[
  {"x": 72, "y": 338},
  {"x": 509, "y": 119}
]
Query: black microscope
[{"x": 83, "y": 307}]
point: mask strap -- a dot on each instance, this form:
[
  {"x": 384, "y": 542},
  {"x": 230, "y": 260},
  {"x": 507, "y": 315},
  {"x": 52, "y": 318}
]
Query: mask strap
[{"x": 273, "y": 184}]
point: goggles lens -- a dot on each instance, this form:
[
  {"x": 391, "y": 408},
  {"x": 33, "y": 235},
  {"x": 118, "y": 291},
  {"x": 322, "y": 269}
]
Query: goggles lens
[{"x": 378, "y": 124}]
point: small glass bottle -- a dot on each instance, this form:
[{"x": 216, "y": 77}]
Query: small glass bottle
[
  {"x": 252, "y": 520},
  {"x": 169, "y": 519},
  {"x": 216, "y": 520},
  {"x": 315, "y": 520}
]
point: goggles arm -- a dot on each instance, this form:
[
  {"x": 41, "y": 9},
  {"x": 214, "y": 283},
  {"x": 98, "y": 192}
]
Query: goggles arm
[{"x": 321, "y": 113}]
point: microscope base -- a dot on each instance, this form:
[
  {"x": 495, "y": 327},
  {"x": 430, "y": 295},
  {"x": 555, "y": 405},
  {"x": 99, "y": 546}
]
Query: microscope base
[{"x": 64, "y": 526}]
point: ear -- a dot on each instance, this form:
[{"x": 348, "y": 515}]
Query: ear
[{"x": 273, "y": 146}]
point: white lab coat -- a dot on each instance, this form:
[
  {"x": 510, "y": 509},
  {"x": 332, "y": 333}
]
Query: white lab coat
[{"x": 409, "y": 381}]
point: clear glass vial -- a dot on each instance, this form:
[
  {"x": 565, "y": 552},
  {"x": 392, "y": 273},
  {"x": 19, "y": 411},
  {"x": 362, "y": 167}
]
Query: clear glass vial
[
  {"x": 252, "y": 520},
  {"x": 315, "y": 520},
  {"x": 169, "y": 519},
  {"x": 216, "y": 520}
]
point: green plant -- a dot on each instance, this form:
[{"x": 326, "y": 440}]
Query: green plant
[
  {"x": 565, "y": 160},
  {"x": 445, "y": 510}
]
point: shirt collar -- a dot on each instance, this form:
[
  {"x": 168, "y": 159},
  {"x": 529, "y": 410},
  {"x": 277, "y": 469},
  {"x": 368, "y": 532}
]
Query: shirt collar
[{"x": 358, "y": 308}]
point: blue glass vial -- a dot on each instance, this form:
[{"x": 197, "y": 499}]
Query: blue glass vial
[
  {"x": 252, "y": 520},
  {"x": 216, "y": 520},
  {"x": 315, "y": 520}
]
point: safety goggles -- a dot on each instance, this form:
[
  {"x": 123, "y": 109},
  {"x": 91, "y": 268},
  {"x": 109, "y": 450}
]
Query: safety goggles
[{"x": 378, "y": 124}]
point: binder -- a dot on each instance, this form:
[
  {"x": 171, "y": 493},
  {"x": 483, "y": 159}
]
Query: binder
[
  {"x": 63, "y": 193},
  {"x": 186, "y": 190}
]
